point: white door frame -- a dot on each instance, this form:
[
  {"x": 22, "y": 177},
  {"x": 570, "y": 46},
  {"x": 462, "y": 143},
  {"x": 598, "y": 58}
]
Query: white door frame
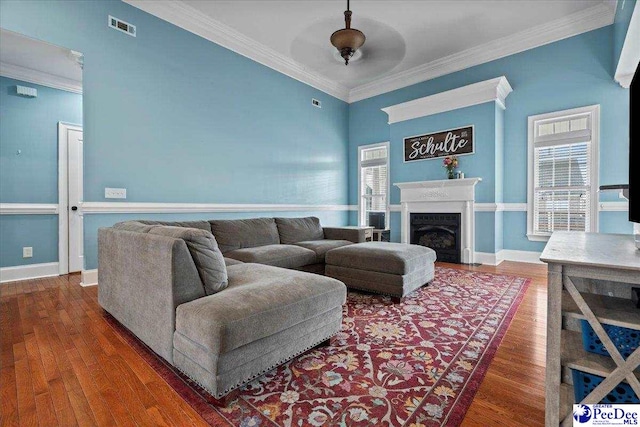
[{"x": 63, "y": 194}]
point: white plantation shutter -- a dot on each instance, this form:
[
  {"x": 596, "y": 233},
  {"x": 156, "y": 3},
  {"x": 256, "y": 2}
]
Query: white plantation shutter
[
  {"x": 374, "y": 181},
  {"x": 563, "y": 181}
]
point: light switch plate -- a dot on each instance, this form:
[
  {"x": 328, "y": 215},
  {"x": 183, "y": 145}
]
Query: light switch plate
[
  {"x": 115, "y": 193},
  {"x": 27, "y": 252}
]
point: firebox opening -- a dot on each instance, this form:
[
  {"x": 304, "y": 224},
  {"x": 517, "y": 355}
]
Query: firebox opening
[{"x": 438, "y": 231}]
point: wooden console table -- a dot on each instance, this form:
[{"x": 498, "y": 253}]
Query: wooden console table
[{"x": 590, "y": 277}]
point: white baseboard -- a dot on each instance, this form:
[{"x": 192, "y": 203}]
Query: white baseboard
[
  {"x": 89, "y": 277},
  {"x": 31, "y": 271},
  {"x": 486, "y": 258},
  {"x": 521, "y": 256},
  {"x": 507, "y": 255}
]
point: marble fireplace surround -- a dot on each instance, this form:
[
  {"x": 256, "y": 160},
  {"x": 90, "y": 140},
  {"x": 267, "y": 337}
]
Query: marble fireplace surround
[{"x": 442, "y": 196}]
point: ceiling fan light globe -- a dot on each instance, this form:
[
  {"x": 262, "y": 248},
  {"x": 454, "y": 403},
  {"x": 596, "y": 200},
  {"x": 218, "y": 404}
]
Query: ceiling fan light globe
[{"x": 348, "y": 37}]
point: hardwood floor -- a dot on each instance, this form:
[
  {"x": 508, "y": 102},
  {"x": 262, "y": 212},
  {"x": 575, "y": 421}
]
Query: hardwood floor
[{"x": 62, "y": 364}]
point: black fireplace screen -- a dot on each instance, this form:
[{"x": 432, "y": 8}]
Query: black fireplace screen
[{"x": 438, "y": 231}]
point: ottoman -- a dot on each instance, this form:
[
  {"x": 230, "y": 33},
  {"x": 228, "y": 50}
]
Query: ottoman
[{"x": 395, "y": 269}]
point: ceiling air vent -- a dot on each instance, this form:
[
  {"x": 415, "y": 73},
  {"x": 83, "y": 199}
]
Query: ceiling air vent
[{"x": 120, "y": 25}]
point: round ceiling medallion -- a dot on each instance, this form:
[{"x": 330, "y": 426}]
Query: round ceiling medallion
[{"x": 384, "y": 50}]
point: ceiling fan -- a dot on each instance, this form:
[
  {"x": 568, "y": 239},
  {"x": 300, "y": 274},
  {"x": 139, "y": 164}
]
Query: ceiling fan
[{"x": 347, "y": 40}]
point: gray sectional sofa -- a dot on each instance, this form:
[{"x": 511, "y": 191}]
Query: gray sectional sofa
[
  {"x": 296, "y": 243},
  {"x": 222, "y": 310},
  {"x": 222, "y": 301}
]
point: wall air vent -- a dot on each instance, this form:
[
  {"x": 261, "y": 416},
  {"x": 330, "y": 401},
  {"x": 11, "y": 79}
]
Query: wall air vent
[
  {"x": 316, "y": 103},
  {"x": 27, "y": 92},
  {"x": 120, "y": 25}
]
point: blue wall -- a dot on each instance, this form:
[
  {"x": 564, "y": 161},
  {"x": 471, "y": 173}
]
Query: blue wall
[
  {"x": 570, "y": 73},
  {"x": 37, "y": 231},
  {"x": 31, "y": 126},
  {"x": 175, "y": 118}
]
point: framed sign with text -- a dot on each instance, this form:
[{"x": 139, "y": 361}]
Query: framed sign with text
[{"x": 452, "y": 142}]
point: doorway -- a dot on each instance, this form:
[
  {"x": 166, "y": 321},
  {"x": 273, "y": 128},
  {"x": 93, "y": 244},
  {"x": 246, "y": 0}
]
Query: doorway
[
  {"x": 71, "y": 220},
  {"x": 42, "y": 131}
]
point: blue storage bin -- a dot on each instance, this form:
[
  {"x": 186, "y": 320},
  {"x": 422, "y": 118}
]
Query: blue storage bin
[
  {"x": 584, "y": 383},
  {"x": 626, "y": 340}
]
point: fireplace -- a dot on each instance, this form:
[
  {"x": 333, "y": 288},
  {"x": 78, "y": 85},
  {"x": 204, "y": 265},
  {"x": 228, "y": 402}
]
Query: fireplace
[
  {"x": 438, "y": 231},
  {"x": 442, "y": 198}
]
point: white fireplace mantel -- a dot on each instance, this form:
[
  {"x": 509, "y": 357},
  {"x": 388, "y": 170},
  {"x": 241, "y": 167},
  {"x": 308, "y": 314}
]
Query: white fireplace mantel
[{"x": 442, "y": 196}]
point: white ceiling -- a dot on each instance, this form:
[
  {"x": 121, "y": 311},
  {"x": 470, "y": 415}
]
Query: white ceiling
[
  {"x": 404, "y": 37},
  {"x": 38, "y": 62}
]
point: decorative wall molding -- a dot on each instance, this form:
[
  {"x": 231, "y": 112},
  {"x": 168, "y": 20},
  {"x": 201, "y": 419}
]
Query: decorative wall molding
[
  {"x": 513, "y": 207},
  {"x": 500, "y": 207},
  {"x": 89, "y": 277},
  {"x": 28, "y": 209},
  {"x": 589, "y": 19},
  {"x": 630, "y": 55},
  {"x": 126, "y": 207},
  {"x": 38, "y": 77},
  {"x": 31, "y": 271},
  {"x": 133, "y": 207},
  {"x": 613, "y": 206},
  {"x": 192, "y": 20},
  {"x": 477, "y": 93}
]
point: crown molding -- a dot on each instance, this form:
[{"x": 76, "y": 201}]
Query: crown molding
[
  {"x": 38, "y": 77},
  {"x": 630, "y": 54},
  {"x": 190, "y": 19},
  {"x": 477, "y": 93},
  {"x": 589, "y": 19}
]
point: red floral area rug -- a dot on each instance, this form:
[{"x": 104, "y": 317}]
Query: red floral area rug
[{"x": 418, "y": 363}]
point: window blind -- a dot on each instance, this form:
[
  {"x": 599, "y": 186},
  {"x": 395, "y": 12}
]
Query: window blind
[
  {"x": 562, "y": 188},
  {"x": 374, "y": 187},
  {"x": 374, "y": 175}
]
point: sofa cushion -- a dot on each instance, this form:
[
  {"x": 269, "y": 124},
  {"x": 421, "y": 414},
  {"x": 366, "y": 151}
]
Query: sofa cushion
[
  {"x": 383, "y": 257},
  {"x": 320, "y": 247},
  {"x": 200, "y": 225},
  {"x": 205, "y": 253},
  {"x": 135, "y": 226},
  {"x": 260, "y": 301},
  {"x": 244, "y": 233},
  {"x": 230, "y": 261},
  {"x": 294, "y": 230},
  {"x": 286, "y": 256}
]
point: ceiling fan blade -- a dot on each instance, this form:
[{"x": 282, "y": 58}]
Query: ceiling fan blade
[{"x": 383, "y": 49}]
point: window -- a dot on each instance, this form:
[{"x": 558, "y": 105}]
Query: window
[
  {"x": 563, "y": 169},
  {"x": 373, "y": 189}
]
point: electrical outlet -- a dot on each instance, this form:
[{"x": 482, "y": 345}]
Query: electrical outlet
[
  {"x": 115, "y": 193},
  {"x": 27, "y": 252}
]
